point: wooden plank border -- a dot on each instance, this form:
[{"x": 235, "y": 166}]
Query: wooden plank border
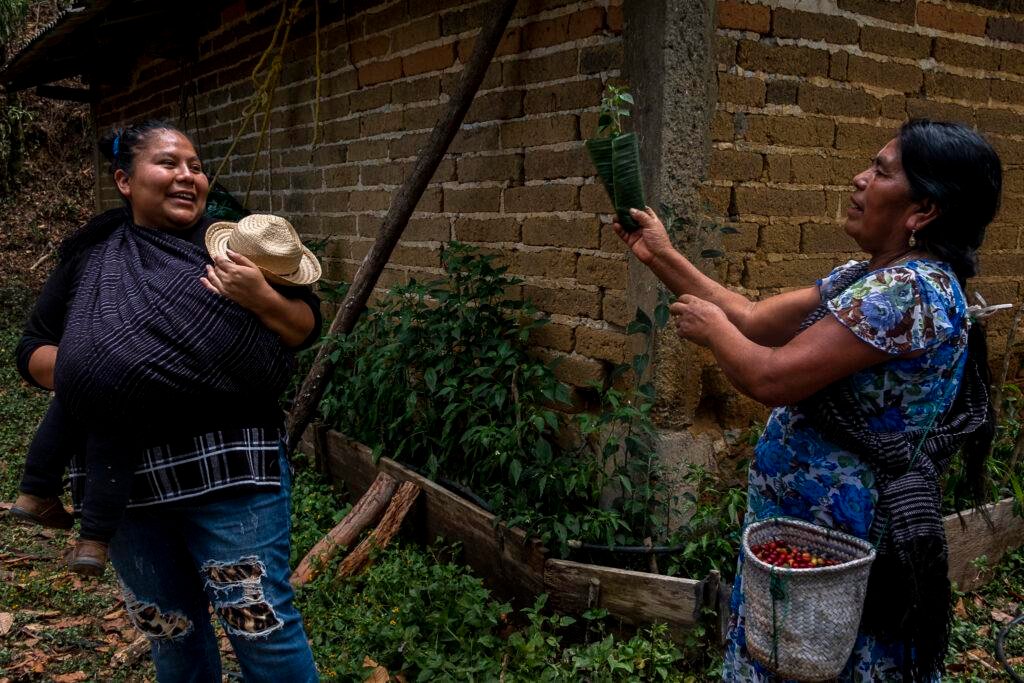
[{"x": 970, "y": 537}]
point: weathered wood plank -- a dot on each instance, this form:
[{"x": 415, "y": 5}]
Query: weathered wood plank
[
  {"x": 636, "y": 597},
  {"x": 972, "y": 538},
  {"x": 509, "y": 561}
]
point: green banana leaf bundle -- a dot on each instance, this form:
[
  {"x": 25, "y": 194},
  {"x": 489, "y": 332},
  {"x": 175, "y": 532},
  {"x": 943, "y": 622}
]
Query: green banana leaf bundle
[{"x": 617, "y": 160}]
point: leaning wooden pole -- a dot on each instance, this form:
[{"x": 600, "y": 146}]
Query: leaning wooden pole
[{"x": 402, "y": 205}]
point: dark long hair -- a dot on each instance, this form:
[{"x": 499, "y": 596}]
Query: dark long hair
[
  {"x": 119, "y": 147},
  {"x": 958, "y": 170}
]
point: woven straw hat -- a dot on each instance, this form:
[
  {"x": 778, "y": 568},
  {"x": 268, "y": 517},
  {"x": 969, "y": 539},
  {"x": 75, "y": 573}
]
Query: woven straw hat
[{"x": 271, "y": 243}]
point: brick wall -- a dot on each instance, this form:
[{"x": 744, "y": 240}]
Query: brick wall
[
  {"x": 806, "y": 99},
  {"x": 516, "y": 181}
]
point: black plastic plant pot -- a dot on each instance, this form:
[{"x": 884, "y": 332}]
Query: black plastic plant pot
[{"x": 617, "y": 161}]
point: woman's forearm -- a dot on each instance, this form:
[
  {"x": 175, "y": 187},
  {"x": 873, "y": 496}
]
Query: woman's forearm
[
  {"x": 41, "y": 364},
  {"x": 290, "y": 319},
  {"x": 682, "y": 277}
]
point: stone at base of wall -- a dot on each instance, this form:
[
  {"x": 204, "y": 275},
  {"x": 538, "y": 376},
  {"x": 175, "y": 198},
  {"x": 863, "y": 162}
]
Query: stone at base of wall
[{"x": 676, "y": 450}]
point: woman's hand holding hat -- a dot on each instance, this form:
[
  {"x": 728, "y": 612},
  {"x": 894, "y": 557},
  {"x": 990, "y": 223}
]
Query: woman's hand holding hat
[
  {"x": 696, "y": 319},
  {"x": 239, "y": 279}
]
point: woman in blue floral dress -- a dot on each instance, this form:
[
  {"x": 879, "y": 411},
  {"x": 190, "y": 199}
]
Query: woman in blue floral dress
[{"x": 894, "y": 327}]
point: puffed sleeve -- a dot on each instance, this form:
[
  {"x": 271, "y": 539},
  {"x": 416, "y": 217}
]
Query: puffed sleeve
[
  {"x": 895, "y": 310},
  {"x": 827, "y": 284}
]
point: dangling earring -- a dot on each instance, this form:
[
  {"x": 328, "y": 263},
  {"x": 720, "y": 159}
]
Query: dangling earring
[{"x": 912, "y": 241}]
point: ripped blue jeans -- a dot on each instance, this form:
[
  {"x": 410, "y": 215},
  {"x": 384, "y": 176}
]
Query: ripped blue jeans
[{"x": 175, "y": 560}]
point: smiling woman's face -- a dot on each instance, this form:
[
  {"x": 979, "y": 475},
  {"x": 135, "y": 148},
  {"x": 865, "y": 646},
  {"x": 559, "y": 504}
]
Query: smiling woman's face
[
  {"x": 881, "y": 207},
  {"x": 167, "y": 188}
]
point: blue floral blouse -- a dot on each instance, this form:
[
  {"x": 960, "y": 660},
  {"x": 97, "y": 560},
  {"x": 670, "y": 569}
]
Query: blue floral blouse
[{"x": 914, "y": 307}]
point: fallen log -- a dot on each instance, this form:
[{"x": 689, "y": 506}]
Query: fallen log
[
  {"x": 131, "y": 652},
  {"x": 378, "y": 539},
  {"x": 367, "y": 510}
]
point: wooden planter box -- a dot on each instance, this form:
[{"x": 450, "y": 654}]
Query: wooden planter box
[
  {"x": 516, "y": 565},
  {"x": 511, "y": 562}
]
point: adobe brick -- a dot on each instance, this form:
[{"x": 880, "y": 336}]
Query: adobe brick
[
  {"x": 744, "y": 239},
  {"x": 432, "y": 59},
  {"x": 332, "y": 201},
  {"x": 784, "y": 59},
  {"x": 406, "y": 146},
  {"x": 780, "y": 92},
  {"x": 431, "y": 200},
  {"x": 1011, "y": 208},
  {"x": 594, "y": 199},
  {"x": 967, "y": 55},
  {"x": 805, "y": 131},
  {"x": 369, "y": 200},
  {"x": 824, "y": 238},
  {"x": 382, "y": 18},
  {"x": 510, "y": 44},
  {"x": 543, "y": 164},
  {"x": 1012, "y": 61},
  {"x": 948, "y": 19},
  {"x": 610, "y": 242},
  {"x": 538, "y": 198},
  {"x": 722, "y": 126},
  {"x": 779, "y": 237},
  {"x": 742, "y": 16},
  {"x": 1011, "y": 92},
  {"x": 574, "y": 233},
  {"x": 538, "y": 131},
  {"x": 1013, "y": 180},
  {"x": 897, "y": 11},
  {"x": 774, "y": 201},
  {"x": 370, "y": 98},
  {"x": 338, "y": 82},
  {"x": 1000, "y": 264},
  {"x": 942, "y": 111},
  {"x": 370, "y": 48},
  {"x": 894, "y": 107},
  {"x": 564, "y": 96},
  {"x": 937, "y": 83},
  {"x": 740, "y": 90},
  {"x": 814, "y": 26},
  {"x": 564, "y": 301},
  {"x": 507, "y": 104},
  {"x": 380, "y": 122},
  {"x": 599, "y": 58},
  {"x": 847, "y": 102},
  {"x": 434, "y": 229},
  {"x": 603, "y": 344},
  {"x": 616, "y": 309},
  {"x": 388, "y": 173},
  {"x": 545, "y": 33},
  {"x": 362, "y": 150},
  {"x": 809, "y": 169},
  {"x": 551, "y": 263},
  {"x": 415, "y": 32},
  {"x": 724, "y": 50},
  {"x": 603, "y": 272},
  {"x": 420, "y": 257},
  {"x": 837, "y": 65},
  {"x": 575, "y": 370},
  {"x": 895, "y": 43},
  {"x": 786, "y": 273},
  {"x": 492, "y": 79},
  {"x": 307, "y": 179},
  {"x": 717, "y": 198},
  {"x": 507, "y": 167},
  {"x": 906, "y": 78},
  {"x": 380, "y": 72},
  {"x": 861, "y": 137},
  {"x": 586, "y": 23},
  {"x": 486, "y": 229},
  {"x": 731, "y": 164},
  {"x": 419, "y": 118},
  {"x": 780, "y": 167},
  {"x": 472, "y": 200},
  {"x": 553, "y": 336},
  {"x": 341, "y": 176},
  {"x": 464, "y": 20},
  {"x": 1010, "y": 151},
  {"x": 556, "y": 66},
  {"x": 476, "y": 139},
  {"x": 418, "y": 90},
  {"x": 1005, "y": 28},
  {"x": 1002, "y": 235}
]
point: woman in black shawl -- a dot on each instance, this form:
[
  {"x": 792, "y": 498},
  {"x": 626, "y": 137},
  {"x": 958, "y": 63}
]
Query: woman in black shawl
[
  {"x": 171, "y": 365},
  {"x": 877, "y": 377}
]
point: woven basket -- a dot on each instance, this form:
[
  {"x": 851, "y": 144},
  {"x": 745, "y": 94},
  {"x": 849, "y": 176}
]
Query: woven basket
[{"x": 815, "y": 621}]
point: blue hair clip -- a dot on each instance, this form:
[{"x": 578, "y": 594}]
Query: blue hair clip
[{"x": 117, "y": 145}]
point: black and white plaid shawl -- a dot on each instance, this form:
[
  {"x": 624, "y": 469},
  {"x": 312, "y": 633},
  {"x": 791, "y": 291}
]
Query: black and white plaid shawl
[
  {"x": 143, "y": 336},
  {"x": 909, "y": 592}
]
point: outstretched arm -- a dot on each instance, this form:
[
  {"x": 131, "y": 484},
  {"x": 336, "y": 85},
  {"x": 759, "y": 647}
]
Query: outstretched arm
[
  {"x": 771, "y": 322},
  {"x": 240, "y": 280}
]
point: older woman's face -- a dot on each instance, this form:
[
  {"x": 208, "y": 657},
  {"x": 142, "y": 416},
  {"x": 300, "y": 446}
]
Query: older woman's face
[
  {"x": 167, "y": 188},
  {"x": 880, "y": 214}
]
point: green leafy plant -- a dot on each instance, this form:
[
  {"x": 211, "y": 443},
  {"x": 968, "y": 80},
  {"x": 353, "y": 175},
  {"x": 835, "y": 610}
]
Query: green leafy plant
[{"x": 616, "y": 155}]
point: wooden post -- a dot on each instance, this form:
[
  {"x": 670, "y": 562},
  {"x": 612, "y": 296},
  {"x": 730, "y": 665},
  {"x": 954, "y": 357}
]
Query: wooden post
[{"x": 402, "y": 205}]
